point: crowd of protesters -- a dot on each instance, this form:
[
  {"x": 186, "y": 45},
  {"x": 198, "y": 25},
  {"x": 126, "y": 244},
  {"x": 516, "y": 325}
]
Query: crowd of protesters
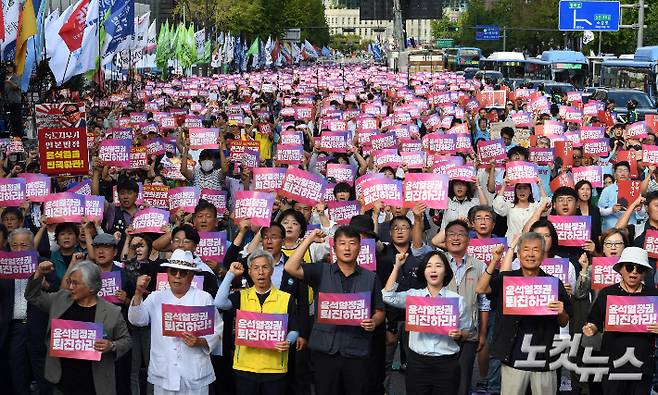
[{"x": 284, "y": 268}]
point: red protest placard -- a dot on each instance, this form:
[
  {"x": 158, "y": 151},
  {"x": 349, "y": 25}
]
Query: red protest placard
[
  {"x": 651, "y": 243},
  {"x": 628, "y": 191},
  {"x": 429, "y": 188},
  {"x": 563, "y": 180},
  {"x": 256, "y": 206},
  {"x": 63, "y": 151},
  {"x": 492, "y": 98},
  {"x": 302, "y": 186},
  {"x": 564, "y": 150}
]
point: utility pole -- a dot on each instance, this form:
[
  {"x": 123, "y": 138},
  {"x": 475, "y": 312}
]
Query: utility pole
[
  {"x": 504, "y": 38},
  {"x": 640, "y": 24},
  {"x": 397, "y": 25}
]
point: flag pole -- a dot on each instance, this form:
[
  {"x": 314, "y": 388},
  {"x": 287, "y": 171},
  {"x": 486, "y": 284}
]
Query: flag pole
[{"x": 67, "y": 65}]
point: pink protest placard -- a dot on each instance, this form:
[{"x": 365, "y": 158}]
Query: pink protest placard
[
  {"x": 75, "y": 339},
  {"x": 268, "y": 179},
  {"x": 334, "y": 141},
  {"x": 12, "y": 192},
  {"x": 302, "y": 186},
  {"x": 193, "y": 121},
  {"x": 292, "y": 137},
  {"x": 37, "y": 186},
  {"x": 465, "y": 173},
  {"x": 17, "y": 264},
  {"x": 81, "y": 188},
  {"x": 212, "y": 246},
  {"x": 636, "y": 131},
  {"x": 520, "y": 172},
  {"x": 111, "y": 283},
  {"x": 630, "y": 313},
  {"x": 651, "y": 243},
  {"x": 216, "y": 197},
  {"x": 203, "y": 138},
  {"x": 438, "y": 315},
  {"x": 384, "y": 189},
  {"x": 650, "y": 154},
  {"x": 162, "y": 282},
  {"x": 529, "y": 295},
  {"x": 256, "y": 206},
  {"x": 522, "y": 119},
  {"x": 260, "y": 330},
  {"x": 428, "y": 188},
  {"x": 341, "y": 173},
  {"x": 343, "y": 308},
  {"x": 154, "y": 146},
  {"x": 94, "y": 207},
  {"x": 196, "y": 320},
  {"x": 115, "y": 152},
  {"x": 557, "y": 267},
  {"x": 342, "y": 212},
  {"x": 183, "y": 198},
  {"x": 482, "y": 249},
  {"x": 413, "y": 160},
  {"x": 440, "y": 143},
  {"x": 64, "y": 207},
  {"x": 157, "y": 195},
  {"x": 386, "y": 157},
  {"x": 250, "y": 158},
  {"x": 598, "y": 147},
  {"x": 572, "y": 230},
  {"x": 289, "y": 154},
  {"x": 591, "y": 133},
  {"x": 367, "y": 258},
  {"x": 384, "y": 141},
  {"x": 491, "y": 150},
  {"x": 150, "y": 220},
  {"x": 603, "y": 274},
  {"x": 593, "y": 174},
  {"x": 541, "y": 156}
]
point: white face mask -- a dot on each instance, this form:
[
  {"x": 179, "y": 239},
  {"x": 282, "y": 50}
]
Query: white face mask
[{"x": 207, "y": 165}]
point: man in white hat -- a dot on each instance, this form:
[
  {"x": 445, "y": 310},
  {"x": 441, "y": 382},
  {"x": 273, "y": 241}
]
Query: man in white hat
[
  {"x": 633, "y": 265},
  {"x": 178, "y": 365}
]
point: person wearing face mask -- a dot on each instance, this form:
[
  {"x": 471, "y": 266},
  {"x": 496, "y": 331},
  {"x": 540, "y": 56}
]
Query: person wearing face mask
[{"x": 205, "y": 176}]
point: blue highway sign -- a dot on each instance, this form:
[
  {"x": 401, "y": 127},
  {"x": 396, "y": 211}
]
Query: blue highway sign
[{"x": 589, "y": 15}]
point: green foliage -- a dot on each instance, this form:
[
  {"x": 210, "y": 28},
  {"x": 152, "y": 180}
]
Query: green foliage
[
  {"x": 345, "y": 43},
  {"x": 444, "y": 28},
  {"x": 260, "y": 18}
]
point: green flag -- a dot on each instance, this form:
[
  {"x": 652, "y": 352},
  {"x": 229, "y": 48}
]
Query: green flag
[
  {"x": 253, "y": 50},
  {"x": 162, "y": 50}
]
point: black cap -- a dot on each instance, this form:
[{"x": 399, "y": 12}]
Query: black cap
[{"x": 364, "y": 225}]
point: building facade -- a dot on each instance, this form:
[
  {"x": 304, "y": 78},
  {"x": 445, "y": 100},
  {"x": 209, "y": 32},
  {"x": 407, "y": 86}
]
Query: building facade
[{"x": 340, "y": 19}]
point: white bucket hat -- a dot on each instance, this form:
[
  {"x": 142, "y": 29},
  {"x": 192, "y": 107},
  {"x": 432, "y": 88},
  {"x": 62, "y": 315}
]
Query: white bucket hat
[
  {"x": 634, "y": 255},
  {"x": 182, "y": 260}
]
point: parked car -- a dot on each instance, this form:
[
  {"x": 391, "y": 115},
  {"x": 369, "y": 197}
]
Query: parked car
[{"x": 645, "y": 105}]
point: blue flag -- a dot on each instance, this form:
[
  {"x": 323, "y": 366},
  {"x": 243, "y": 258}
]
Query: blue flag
[{"x": 119, "y": 25}]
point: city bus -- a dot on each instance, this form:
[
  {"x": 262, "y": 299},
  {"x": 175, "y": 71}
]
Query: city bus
[
  {"x": 562, "y": 66},
  {"x": 510, "y": 64},
  {"x": 641, "y": 72},
  {"x": 456, "y": 59}
]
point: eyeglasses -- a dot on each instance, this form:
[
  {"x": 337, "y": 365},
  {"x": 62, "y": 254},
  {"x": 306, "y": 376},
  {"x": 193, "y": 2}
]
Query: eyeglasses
[
  {"x": 72, "y": 283},
  {"x": 630, "y": 266},
  {"x": 611, "y": 244},
  {"x": 184, "y": 241},
  {"x": 455, "y": 235},
  {"x": 485, "y": 218},
  {"x": 400, "y": 228},
  {"x": 568, "y": 199},
  {"x": 622, "y": 170},
  {"x": 175, "y": 272}
]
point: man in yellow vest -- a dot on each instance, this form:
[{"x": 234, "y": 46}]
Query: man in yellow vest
[{"x": 258, "y": 370}]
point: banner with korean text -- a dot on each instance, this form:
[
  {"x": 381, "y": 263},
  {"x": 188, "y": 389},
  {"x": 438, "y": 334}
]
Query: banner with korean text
[
  {"x": 17, "y": 264},
  {"x": 572, "y": 230},
  {"x": 75, "y": 339},
  {"x": 428, "y": 188},
  {"x": 256, "y": 206},
  {"x": 603, "y": 274},
  {"x": 212, "y": 246},
  {"x": 529, "y": 295},
  {"x": 630, "y": 313},
  {"x": 343, "y": 308},
  {"x": 438, "y": 315},
  {"x": 150, "y": 220},
  {"x": 196, "y": 320},
  {"x": 64, "y": 207},
  {"x": 260, "y": 330},
  {"x": 111, "y": 283},
  {"x": 303, "y": 186}
]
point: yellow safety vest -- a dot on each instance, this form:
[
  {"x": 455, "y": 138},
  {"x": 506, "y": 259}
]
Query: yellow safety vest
[{"x": 261, "y": 360}]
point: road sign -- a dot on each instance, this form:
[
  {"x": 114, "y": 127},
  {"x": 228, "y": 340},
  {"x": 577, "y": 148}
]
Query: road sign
[
  {"x": 487, "y": 33},
  {"x": 445, "y": 42},
  {"x": 589, "y": 15}
]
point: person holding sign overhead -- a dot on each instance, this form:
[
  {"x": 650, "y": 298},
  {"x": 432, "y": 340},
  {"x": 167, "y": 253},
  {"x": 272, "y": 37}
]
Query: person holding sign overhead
[
  {"x": 79, "y": 302},
  {"x": 433, "y": 360},
  {"x": 340, "y": 339},
  {"x": 633, "y": 266},
  {"x": 264, "y": 364},
  {"x": 179, "y": 361}
]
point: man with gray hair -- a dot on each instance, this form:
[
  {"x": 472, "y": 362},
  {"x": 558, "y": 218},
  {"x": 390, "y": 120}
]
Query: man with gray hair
[
  {"x": 22, "y": 326},
  {"x": 514, "y": 333},
  {"x": 259, "y": 368}
]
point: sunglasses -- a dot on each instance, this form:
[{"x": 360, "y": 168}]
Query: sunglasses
[
  {"x": 175, "y": 272},
  {"x": 630, "y": 266}
]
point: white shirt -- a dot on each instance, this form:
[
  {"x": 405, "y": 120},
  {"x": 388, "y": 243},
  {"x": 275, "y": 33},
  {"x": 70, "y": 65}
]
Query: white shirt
[
  {"x": 174, "y": 365},
  {"x": 20, "y": 304}
]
